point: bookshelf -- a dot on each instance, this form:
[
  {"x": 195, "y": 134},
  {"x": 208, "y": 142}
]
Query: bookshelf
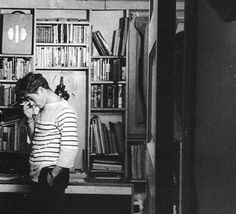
[
  {"x": 61, "y": 44},
  {"x": 107, "y": 147},
  {"x": 16, "y": 60}
]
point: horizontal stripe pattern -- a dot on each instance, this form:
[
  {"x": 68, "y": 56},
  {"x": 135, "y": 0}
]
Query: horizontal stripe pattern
[{"x": 52, "y": 139}]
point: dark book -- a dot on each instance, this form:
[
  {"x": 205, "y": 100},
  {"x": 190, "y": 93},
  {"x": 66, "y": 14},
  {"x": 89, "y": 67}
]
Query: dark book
[
  {"x": 112, "y": 141},
  {"x": 23, "y": 145},
  {"x": 92, "y": 148},
  {"x": 109, "y": 96},
  {"x": 114, "y": 96},
  {"x": 101, "y": 51},
  {"x": 116, "y": 70},
  {"x": 123, "y": 26},
  {"x": 105, "y": 96},
  {"x": 118, "y": 130},
  {"x": 106, "y": 139},
  {"x": 101, "y": 135}
]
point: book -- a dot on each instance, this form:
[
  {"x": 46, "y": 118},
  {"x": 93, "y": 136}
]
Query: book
[
  {"x": 137, "y": 161},
  {"x": 123, "y": 26},
  {"x": 1, "y": 137},
  {"x": 97, "y": 43},
  {"x": 106, "y": 138},
  {"x": 112, "y": 141},
  {"x": 106, "y": 166},
  {"x": 117, "y": 129},
  {"x": 97, "y": 142},
  {"x": 101, "y": 135},
  {"x": 103, "y": 42},
  {"x": 116, "y": 42},
  {"x": 120, "y": 95}
]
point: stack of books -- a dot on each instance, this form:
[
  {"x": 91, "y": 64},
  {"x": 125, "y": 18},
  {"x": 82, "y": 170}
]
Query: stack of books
[{"x": 107, "y": 165}]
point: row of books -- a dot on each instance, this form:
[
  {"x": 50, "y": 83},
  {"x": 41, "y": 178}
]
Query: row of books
[
  {"x": 13, "y": 136},
  {"x": 107, "y": 96},
  {"x": 7, "y": 95},
  {"x": 107, "y": 70},
  {"x": 100, "y": 43},
  {"x": 48, "y": 57},
  {"x": 106, "y": 140},
  {"x": 62, "y": 33},
  {"x": 106, "y": 165},
  {"x": 14, "y": 68},
  {"x": 138, "y": 154},
  {"x": 119, "y": 40}
]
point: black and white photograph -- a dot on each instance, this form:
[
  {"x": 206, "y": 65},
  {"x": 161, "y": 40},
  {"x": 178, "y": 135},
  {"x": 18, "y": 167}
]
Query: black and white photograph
[{"x": 117, "y": 107}]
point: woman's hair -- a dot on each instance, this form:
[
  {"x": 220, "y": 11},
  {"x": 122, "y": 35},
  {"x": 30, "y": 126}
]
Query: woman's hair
[{"x": 30, "y": 84}]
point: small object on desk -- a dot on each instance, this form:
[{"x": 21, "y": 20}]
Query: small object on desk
[
  {"x": 77, "y": 177},
  {"x": 9, "y": 176}
]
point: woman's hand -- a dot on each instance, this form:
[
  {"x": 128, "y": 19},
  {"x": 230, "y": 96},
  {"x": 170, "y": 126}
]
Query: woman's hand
[
  {"x": 28, "y": 109},
  {"x": 50, "y": 179}
]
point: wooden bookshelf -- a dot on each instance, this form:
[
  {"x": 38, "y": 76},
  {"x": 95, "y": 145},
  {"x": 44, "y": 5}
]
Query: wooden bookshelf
[
  {"x": 13, "y": 65},
  {"x": 107, "y": 73}
]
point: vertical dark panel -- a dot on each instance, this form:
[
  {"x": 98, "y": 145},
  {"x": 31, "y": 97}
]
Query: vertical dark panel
[
  {"x": 165, "y": 104},
  {"x": 214, "y": 161},
  {"x": 189, "y": 198}
]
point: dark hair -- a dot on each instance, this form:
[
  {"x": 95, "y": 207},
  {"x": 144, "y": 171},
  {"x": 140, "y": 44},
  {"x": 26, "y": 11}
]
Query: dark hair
[{"x": 30, "y": 84}]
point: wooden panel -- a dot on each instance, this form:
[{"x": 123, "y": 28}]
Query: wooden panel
[{"x": 136, "y": 106}]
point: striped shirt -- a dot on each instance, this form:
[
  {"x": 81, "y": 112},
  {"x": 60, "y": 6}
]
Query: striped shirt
[{"x": 55, "y": 140}]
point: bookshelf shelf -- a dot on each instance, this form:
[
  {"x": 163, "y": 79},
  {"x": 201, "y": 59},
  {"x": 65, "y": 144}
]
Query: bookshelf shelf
[
  {"x": 106, "y": 155},
  {"x": 6, "y": 107},
  {"x": 8, "y": 81},
  {"x": 62, "y": 68},
  {"x": 107, "y": 82},
  {"x": 50, "y": 22},
  {"x": 108, "y": 57},
  {"x": 14, "y": 152},
  {"x": 62, "y": 44},
  {"x": 17, "y": 55},
  {"x": 107, "y": 171},
  {"x": 107, "y": 109},
  {"x": 138, "y": 181}
]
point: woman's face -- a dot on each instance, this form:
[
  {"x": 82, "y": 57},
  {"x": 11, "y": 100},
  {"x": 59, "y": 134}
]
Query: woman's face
[{"x": 38, "y": 98}]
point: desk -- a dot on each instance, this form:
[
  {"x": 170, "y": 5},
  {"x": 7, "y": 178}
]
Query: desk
[
  {"x": 86, "y": 191},
  {"x": 85, "y": 188}
]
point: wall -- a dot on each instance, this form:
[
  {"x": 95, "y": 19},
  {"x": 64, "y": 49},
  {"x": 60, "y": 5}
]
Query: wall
[{"x": 215, "y": 131}]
